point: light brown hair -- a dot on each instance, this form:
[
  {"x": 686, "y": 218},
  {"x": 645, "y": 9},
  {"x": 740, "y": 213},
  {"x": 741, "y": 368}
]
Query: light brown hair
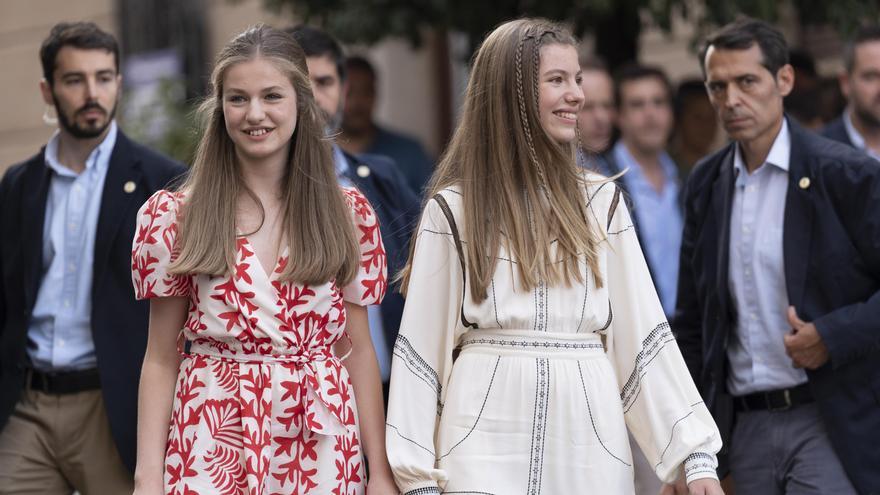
[
  {"x": 317, "y": 222},
  {"x": 512, "y": 174}
]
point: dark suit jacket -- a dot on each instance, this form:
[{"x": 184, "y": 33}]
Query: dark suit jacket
[
  {"x": 836, "y": 131},
  {"x": 119, "y": 323},
  {"x": 397, "y": 207},
  {"x": 831, "y": 246}
]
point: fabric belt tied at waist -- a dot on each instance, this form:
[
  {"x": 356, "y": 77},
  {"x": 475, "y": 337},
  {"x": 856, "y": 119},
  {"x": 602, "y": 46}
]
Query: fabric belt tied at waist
[{"x": 320, "y": 414}]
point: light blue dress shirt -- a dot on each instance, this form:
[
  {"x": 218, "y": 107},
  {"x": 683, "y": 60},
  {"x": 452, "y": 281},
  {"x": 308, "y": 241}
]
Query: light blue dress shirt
[
  {"x": 756, "y": 351},
  {"x": 659, "y": 219},
  {"x": 374, "y": 312},
  {"x": 60, "y": 330},
  {"x": 856, "y": 137}
]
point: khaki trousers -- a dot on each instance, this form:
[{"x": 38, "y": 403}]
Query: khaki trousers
[{"x": 56, "y": 444}]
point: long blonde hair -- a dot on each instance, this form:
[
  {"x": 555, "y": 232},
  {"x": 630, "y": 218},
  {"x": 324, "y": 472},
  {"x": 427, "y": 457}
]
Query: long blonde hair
[
  {"x": 317, "y": 223},
  {"x": 517, "y": 182}
]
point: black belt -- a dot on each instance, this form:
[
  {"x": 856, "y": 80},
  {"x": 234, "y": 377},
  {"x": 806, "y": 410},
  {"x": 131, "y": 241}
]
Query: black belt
[
  {"x": 774, "y": 400},
  {"x": 63, "y": 382}
]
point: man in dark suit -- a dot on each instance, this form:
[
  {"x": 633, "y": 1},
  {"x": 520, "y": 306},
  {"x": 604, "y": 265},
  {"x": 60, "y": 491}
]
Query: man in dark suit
[
  {"x": 779, "y": 286},
  {"x": 859, "y": 125},
  {"x": 72, "y": 336},
  {"x": 396, "y": 205}
]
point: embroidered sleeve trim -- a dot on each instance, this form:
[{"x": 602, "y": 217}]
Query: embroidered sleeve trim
[
  {"x": 417, "y": 365},
  {"x": 428, "y": 490},
  {"x": 651, "y": 347},
  {"x": 700, "y": 465}
]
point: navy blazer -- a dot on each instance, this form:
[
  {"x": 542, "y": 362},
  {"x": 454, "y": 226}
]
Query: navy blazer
[
  {"x": 119, "y": 322},
  {"x": 397, "y": 207},
  {"x": 831, "y": 246},
  {"x": 836, "y": 131}
]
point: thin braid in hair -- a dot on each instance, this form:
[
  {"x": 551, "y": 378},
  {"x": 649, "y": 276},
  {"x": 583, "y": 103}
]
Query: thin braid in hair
[{"x": 521, "y": 103}]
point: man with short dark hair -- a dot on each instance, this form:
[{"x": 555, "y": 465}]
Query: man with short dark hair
[
  {"x": 72, "y": 336},
  {"x": 644, "y": 117},
  {"x": 397, "y": 206},
  {"x": 859, "y": 126},
  {"x": 779, "y": 285},
  {"x": 361, "y": 134},
  {"x": 596, "y": 118},
  {"x": 695, "y": 125}
]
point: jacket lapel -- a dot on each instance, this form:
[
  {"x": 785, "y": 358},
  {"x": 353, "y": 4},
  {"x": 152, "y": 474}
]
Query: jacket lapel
[
  {"x": 33, "y": 217},
  {"x": 798, "y": 222},
  {"x": 116, "y": 200},
  {"x": 722, "y": 203}
]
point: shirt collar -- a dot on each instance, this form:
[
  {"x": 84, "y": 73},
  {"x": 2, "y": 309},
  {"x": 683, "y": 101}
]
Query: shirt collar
[
  {"x": 340, "y": 161},
  {"x": 779, "y": 156},
  {"x": 854, "y": 135},
  {"x": 626, "y": 161},
  {"x": 98, "y": 159}
]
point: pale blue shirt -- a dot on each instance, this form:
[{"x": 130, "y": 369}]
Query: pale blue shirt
[
  {"x": 60, "y": 329},
  {"x": 857, "y": 139},
  {"x": 374, "y": 312},
  {"x": 659, "y": 219},
  {"x": 756, "y": 351}
]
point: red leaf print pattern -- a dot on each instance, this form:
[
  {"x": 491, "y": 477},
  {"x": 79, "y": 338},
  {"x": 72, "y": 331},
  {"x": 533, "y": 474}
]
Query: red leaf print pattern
[
  {"x": 371, "y": 282},
  {"x": 226, "y": 470},
  {"x": 224, "y": 422},
  {"x": 261, "y": 406}
]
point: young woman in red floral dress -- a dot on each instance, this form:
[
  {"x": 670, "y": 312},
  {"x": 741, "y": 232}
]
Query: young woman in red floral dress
[{"x": 264, "y": 265}]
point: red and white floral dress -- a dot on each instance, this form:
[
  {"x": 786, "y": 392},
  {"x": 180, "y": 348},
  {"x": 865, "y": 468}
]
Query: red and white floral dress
[{"x": 262, "y": 405}]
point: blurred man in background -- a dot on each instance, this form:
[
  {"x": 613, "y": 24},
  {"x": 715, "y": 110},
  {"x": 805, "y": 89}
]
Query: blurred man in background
[
  {"x": 859, "y": 125},
  {"x": 396, "y": 205},
  {"x": 361, "y": 134}
]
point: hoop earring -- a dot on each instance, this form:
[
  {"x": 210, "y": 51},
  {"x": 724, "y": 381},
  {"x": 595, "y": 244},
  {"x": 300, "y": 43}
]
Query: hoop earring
[{"x": 48, "y": 117}]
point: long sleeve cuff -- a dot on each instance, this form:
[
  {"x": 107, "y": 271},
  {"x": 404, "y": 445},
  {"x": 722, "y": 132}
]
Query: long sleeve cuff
[{"x": 700, "y": 465}]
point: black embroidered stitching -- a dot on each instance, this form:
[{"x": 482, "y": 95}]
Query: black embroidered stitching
[
  {"x": 539, "y": 425},
  {"x": 586, "y": 294},
  {"x": 651, "y": 346},
  {"x": 429, "y": 490},
  {"x": 631, "y": 227},
  {"x": 534, "y": 344},
  {"x": 479, "y": 415},
  {"x": 592, "y": 420},
  {"x": 417, "y": 444},
  {"x": 495, "y": 304},
  {"x": 416, "y": 365},
  {"x": 671, "y": 436}
]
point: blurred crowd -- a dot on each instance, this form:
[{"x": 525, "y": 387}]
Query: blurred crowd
[{"x": 72, "y": 336}]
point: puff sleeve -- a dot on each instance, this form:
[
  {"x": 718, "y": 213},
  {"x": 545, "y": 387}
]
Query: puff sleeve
[
  {"x": 155, "y": 247},
  {"x": 661, "y": 405},
  {"x": 369, "y": 285}
]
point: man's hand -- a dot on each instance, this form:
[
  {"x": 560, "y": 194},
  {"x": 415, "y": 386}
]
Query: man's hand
[{"x": 804, "y": 344}]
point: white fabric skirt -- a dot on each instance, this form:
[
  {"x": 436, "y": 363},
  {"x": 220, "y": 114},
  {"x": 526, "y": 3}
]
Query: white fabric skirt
[{"x": 534, "y": 413}]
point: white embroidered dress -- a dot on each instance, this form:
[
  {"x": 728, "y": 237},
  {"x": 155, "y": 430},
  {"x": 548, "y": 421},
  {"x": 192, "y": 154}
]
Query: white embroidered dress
[{"x": 534, "y": 402}]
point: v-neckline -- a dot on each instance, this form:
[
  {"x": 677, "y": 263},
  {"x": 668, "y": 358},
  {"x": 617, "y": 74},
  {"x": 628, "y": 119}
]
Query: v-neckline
[{"x": 274, "y": 269}]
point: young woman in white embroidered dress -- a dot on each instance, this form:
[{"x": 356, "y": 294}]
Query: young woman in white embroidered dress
[
  {"x": 532, "y": 336},
  {"x": 264, "y": 265}
]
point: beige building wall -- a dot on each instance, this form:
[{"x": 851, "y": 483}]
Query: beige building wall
[{"x": 23, "y": 25}]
